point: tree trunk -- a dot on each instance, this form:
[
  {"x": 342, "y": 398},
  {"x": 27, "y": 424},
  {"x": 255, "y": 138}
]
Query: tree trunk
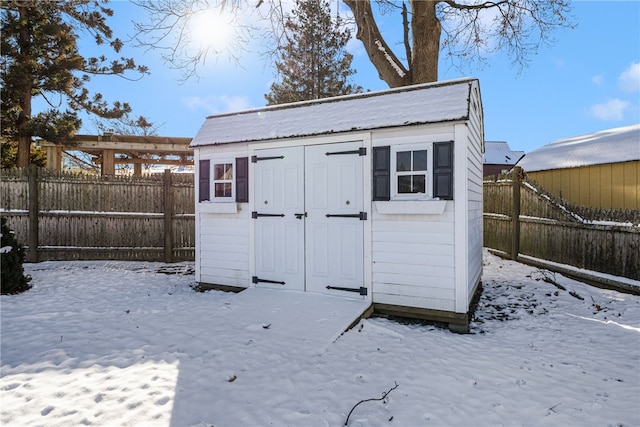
[
  {"x": 24, "y": 136},
  {"x": 426, "y": 41},
  {"x": 389, "y": 67},
  {"x": 426, "y": 32}
]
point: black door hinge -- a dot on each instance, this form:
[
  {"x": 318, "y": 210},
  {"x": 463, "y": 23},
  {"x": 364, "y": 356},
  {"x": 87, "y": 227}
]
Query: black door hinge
[
  {"x": 361, "y": 290},
  {"x": 362, "y": 216},
  {"x": 256, "y": 159},
  {"x": 257, "y": 280},
  {"x": 362, "y": 151},
  {"x": 255, "y": 215}
]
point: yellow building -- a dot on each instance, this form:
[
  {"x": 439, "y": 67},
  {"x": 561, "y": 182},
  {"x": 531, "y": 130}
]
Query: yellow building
[{"x": 600, "y": 170}]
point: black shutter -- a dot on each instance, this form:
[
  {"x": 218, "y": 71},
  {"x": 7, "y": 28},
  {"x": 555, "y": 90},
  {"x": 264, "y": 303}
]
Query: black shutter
[
  {"x": 381, "y": 173},
  {"x": 443, "y": 170},
  {"x": 242, "y": 179},
  {"x": 204, "y": 180}
]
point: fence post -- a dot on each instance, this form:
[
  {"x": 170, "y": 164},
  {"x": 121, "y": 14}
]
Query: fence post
[
  {"x": 515, "y": 212},
  {"x": 34, "y": 210},
  {"x": 168, "y": 217}
]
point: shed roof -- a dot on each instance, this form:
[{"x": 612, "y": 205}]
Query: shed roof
[
  {"x": 499, "y": 153},
  {"x": 608, "y": 146},
  {"x": 410, "y": 105}
]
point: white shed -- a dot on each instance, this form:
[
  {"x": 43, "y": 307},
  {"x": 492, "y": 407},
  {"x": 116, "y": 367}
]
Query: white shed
[{"x": 375, "y": 195}]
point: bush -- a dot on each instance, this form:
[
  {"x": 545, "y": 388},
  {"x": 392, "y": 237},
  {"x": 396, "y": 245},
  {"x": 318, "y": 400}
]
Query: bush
[{"x": 13, "y": 280}]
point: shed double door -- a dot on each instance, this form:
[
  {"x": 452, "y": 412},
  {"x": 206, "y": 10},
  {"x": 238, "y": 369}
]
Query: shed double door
[{"x": 309, "y": 218}]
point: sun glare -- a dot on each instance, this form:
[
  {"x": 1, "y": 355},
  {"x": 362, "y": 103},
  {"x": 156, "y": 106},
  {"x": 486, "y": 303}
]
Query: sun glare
[{"x": 212, "y": 28}]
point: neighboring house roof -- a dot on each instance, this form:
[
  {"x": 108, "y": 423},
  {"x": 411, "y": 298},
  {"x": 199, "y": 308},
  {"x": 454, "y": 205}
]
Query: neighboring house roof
[
  {"x": 607, "y": 146},
  {"x": 499, "y": 153},
  {"x": 411, "y": 105}
]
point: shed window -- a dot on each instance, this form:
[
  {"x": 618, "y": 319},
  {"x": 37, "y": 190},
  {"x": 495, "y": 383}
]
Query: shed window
[
  {"x": 422, "y": 171},
  {"x": 224, "y": 180},
  {"x": 411, "y": 171}
]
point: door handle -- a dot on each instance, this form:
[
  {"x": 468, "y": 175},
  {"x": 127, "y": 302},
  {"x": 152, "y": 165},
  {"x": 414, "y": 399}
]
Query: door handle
[{"x": 300, "y": 215}]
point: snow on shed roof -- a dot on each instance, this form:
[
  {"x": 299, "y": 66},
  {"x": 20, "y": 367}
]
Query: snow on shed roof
[
  {"x": 411, "y": 105},
  {"x": 608, "y": 146},
  {"x": 499, "y": 153}
]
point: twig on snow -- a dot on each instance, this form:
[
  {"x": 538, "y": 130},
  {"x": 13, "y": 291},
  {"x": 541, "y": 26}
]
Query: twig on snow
[
  {"x": 384, "y": 395},
  {"x": 550, "y": 277},
  {"x": 576, "y": 295},
  {"x": 552, "y": 409}
]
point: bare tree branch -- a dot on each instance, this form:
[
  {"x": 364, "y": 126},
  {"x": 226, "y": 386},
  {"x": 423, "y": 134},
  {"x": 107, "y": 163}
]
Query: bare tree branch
[
  {"x": 390, "y": 68},
  {"x": 384, "y": 396},
  {"x": 466, "y": 32},
  {"x": 169, "y": 29},
  {"x": 405, "y": 29},
  {"x": 474, "y": 32}
]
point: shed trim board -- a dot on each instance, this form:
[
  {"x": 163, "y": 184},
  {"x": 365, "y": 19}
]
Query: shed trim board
[{"x": 311, "y": 223}]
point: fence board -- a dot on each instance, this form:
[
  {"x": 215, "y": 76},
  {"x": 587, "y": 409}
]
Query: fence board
[
  {"x": 497, "y": 232},
  {"x": 551, "y": 231},
  {"x": 90, "y": 217},
  {"x": 87, "y": 217}
]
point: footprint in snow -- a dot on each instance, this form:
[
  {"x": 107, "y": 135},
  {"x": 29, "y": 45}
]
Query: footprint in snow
[{"x": 46, "y": 411}]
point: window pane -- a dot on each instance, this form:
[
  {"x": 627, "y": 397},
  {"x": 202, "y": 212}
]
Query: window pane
[
  {"x": 222, "y": 171},
  {"x": 420, "y": 160},
  {"x": 218, "y": 171},
  {"x": 403, "y": 161},
  {"x": 411, "y": 184},
  {"x": 418, "y": 184},
  {"x": 404, "y": 184},
  {"x": 223, "y": 189}
]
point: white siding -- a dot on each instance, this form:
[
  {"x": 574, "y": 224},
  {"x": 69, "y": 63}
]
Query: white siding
[
  {"x": 468, "y": 192},
  {"x": 413, "y": 259},
  {"x": 475, "y": 148},
  {"x": 408, "y": 300},
  {"x": 460, "y": 196},
  {"x": 439, "y": 132},
  {"x": 224, "y": 249},
  {"x": 222, "y": 239}
]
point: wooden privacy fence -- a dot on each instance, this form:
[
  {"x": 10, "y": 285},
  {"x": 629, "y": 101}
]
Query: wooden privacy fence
[
  {"x": 60, "y": 216},
  {"x": 520, "y": 219}
]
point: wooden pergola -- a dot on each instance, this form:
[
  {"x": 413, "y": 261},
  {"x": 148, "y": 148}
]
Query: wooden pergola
[{"x": 138, "y": 150}]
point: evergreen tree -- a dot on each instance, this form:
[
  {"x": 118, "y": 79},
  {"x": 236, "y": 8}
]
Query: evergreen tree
[
  {"x": 9, "y": 156},
  {"x": 12, "y": 279},
  {"x": 314, "y": 63},
  {"x": 40, "y": 58}
]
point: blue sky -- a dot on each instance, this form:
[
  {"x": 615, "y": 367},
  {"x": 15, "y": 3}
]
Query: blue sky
[{"x": 589, "y": 80}]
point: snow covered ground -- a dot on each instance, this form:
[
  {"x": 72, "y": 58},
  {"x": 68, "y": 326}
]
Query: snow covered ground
[{"x": 117, "y": 343}]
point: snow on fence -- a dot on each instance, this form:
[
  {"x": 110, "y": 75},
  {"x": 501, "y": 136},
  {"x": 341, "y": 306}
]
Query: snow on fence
[
  {"x": 69, "y": 216},
  {"x": 520, "y": 219}
]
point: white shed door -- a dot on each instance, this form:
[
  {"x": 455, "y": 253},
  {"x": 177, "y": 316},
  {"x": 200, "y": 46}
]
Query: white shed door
[
  {"x": 279, "y": 234},
  {"x": 335, "y": 218},
  {"x": 309, "y": 218}
]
